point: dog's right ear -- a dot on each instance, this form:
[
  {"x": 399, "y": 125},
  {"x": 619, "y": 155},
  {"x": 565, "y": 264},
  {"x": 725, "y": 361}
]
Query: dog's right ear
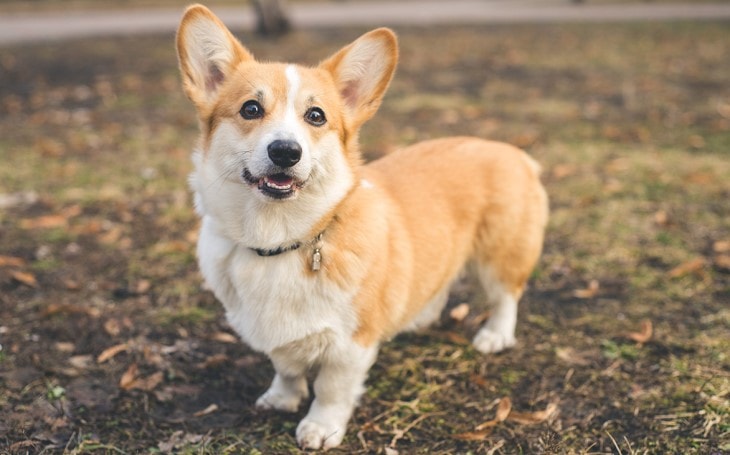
[{"x": 208, "y": 53}]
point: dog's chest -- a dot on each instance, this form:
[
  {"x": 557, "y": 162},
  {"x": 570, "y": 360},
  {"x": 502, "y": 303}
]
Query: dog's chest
[{"x": 272, "y": 301}]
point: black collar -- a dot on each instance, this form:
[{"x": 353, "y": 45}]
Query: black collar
[
  {"x": 286, "y": 248},
  {"x": 279, "y": 250}
]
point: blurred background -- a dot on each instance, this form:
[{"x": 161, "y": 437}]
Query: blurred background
[{"x": 108, "y": 342}]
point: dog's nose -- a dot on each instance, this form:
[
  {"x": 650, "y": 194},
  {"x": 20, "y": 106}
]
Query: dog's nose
[{"x": 285, "y": 153}]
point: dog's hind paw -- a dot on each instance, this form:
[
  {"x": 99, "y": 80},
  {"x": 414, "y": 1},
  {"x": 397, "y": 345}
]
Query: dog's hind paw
[
  {"x": 487, "y": 341},
  {"x": 314, "y": 435}
]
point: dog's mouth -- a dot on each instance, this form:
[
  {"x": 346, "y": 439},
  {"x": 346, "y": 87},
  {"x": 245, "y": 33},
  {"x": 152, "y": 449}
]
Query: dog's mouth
[{"x": 277, "y": 186}]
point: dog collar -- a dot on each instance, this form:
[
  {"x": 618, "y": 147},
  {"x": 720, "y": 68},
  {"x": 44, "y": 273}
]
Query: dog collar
[{"x": 316, "y": 254}]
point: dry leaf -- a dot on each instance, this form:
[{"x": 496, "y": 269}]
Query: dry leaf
[
  {"x": 209, "y": 410},
  {"x": 149, "y": 383},
  {"x": 473, "y": 435},
  {"x": 723, "y": 261},
  {"x": 224, "y": 337},
  {"x": 503, "y": 409},
  {"x": 64, "y": 346},
  {"x": 68, "y": 308},
  {"x": 459, "y": 312},
  {"x": 113, "y": 327},
  {"x": 456, "y": 338},
  {"x": 529, "y": 418},
  {"x": 82, "y": 362},
  {"x": 571, "y": 357},
  {"x": 661, "y": 218},
  {"x": 108, "y": 353},
  {"x": 26, "y": 278},
  {"x": 213, "y": 361},
  {"x": 44, "y": 222},
  {"x": 560, "y": 171},
  {"x": 720, "y": 246},
  {"x": 143, "y": 286},
  {"x": 644, "y": 335},
  {"x": 11, "y": 261},
  {"x": 129, "y": 377},
  {"x": 588, "y": 293},
  {"x": 688, "y": 267}
]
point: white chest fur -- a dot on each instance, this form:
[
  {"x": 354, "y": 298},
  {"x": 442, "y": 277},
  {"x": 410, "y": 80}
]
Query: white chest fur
[{"x": 271, "y": 301}]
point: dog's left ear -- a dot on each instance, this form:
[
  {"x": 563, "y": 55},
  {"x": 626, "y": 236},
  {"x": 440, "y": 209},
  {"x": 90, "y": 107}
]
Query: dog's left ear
[
  {"x": 208, "y": 54},
  {"x": 362, "y": 72}
]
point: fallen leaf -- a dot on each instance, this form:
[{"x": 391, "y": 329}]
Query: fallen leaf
[
  {"x": 44, "y": 222},
  {"x": 561, "y": 171},
  {"x": 456, "y": 338},
  {"x": 720, "y": 246},
  {"x": 178, "y": 440},
  {"x": 723, "y": 261},
  {"x": 129, "y": 377},
  {"x": 571, "y": 357},
  {"x": 473, "y": 435},
  {"x": 661, "y": 218},
  {"x": 26, "y": 278},
  {"x": 64, "y": 346},
  {"x": 149, "y": 383},
  {"x": 459, "y": 312},
  {"x": 478, "y": 380},
  {"x": 224, "y": 337},
  {"x": 209, "y": 410},
  {"x": 503, "y": 409},
  {"x": 69, "y": 308},
  {"x": 644, "y": 335},
  {"x": 11, "y": 261},
  {"x": 143, "y": 286},
  {"x": 213, "y": 361},
  {"x": 589, "y": 292},
  {"x": 529, "y": 418},
  {"x": 112, "y": 327},
  {"x": 82, "y": 362},
  {"x": 686, "y": 268},
  {"x": 111, "y": 352}
]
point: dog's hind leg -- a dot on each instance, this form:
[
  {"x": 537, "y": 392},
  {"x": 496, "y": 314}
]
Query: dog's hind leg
[{"x": 499, "y": 331}]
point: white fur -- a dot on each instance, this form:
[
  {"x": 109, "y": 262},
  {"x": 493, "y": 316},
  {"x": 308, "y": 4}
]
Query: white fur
[
  {"x": 499, "y": 331},
  {"x": 300, "y": 320}
]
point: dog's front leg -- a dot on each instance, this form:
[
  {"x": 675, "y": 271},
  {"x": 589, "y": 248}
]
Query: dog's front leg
[
  {"x": 338, "y": 387},
  {"x": 289, "y": 386}
]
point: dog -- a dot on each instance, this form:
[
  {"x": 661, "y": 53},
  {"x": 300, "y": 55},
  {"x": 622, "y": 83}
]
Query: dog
[{"x": 319, "y": 258}]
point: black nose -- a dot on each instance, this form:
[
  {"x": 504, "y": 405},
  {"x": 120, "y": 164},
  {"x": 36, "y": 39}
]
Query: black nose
[{"x": 285, "y": 153}]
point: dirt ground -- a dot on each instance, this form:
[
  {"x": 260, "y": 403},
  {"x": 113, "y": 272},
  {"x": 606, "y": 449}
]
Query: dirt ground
[{"x": 109, "y": 343}]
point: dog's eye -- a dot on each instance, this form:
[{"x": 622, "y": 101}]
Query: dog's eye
[
  {"x": 251, "y": 110},
  {"x": 315, "y": 116}
]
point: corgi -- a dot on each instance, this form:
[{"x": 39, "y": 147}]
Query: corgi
[{"x": 319, "y": 258}]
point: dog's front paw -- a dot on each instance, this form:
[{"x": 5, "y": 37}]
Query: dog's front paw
[
  {"x": 283, "y": 398},
  {"x": 316, "y": 435},
  {"x": 487, "y": 341}
]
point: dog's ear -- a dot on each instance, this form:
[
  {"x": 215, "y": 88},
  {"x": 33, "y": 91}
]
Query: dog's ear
[
  {"x": 362, "y": 72},
  {"x": 208, "y": 53}
]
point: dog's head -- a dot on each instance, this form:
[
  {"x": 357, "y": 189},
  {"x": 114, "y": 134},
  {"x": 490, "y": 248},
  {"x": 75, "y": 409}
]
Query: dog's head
[{"x": 277, "y": 134}]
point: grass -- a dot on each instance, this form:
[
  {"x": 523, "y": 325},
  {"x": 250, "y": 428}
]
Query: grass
[{"x": 631, "y": 124}]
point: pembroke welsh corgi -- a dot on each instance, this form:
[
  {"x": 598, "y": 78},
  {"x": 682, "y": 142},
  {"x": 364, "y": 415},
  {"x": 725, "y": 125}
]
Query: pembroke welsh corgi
[{"x": 319, "y": 258}]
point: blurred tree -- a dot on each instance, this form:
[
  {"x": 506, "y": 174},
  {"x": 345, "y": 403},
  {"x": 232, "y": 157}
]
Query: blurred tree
[{"x": 271, "y": 17}]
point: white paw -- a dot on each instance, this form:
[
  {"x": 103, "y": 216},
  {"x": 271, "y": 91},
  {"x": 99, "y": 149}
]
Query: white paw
[
  {"x": 281, "y": 401},
  {"x": 487, "y": 341},
  {"x": 315, "y": 435}
]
